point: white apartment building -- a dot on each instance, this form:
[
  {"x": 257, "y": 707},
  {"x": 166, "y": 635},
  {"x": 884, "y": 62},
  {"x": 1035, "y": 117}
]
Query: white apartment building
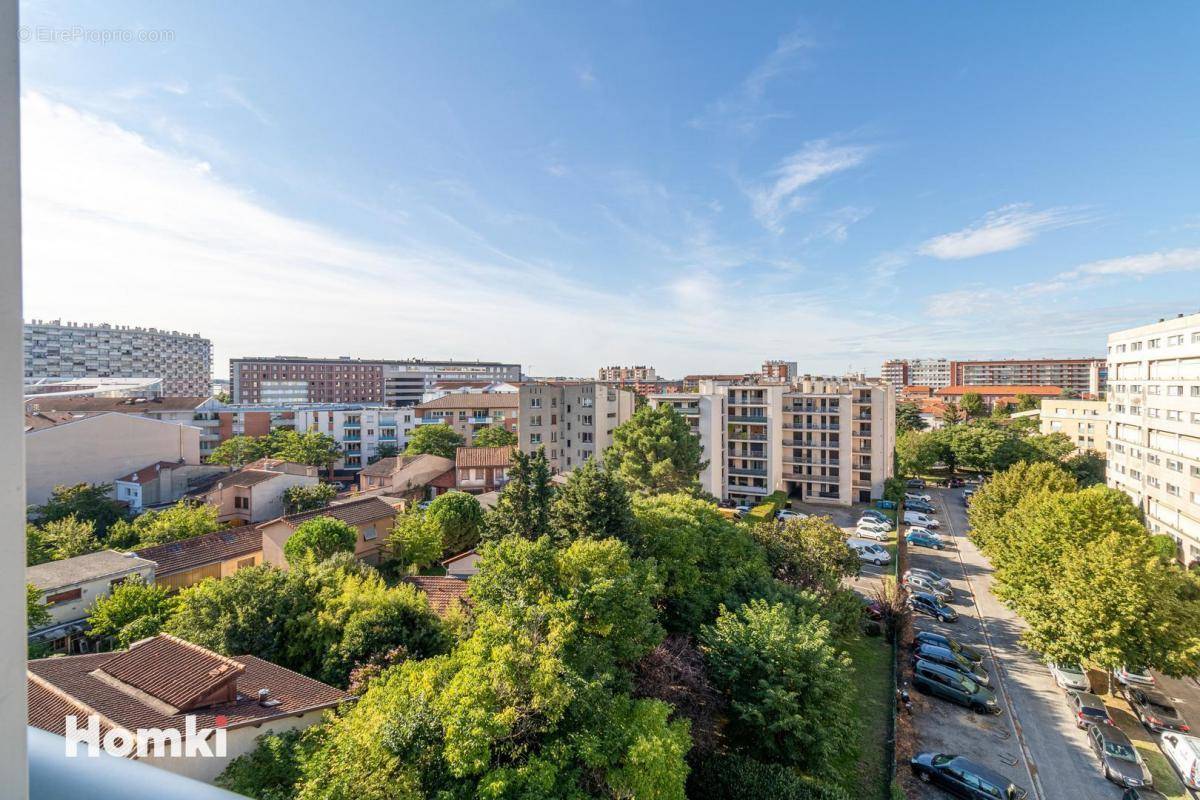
[
  {"x": 619, "y": 374},
  {"x": 900, "y": 372},
  {"x": 1153, "y": 408},
  {"x": 359, "y": 430},
  {"x": 820, "y": 440},
  {"x": 56, "y": 349},
  {"x": 1083, "y": 421},
  {"x": 573, "y": 420},
  {"x": 705, "y": 412}
]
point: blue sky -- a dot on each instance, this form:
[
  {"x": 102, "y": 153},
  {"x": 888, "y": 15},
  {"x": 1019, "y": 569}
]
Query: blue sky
[{"x": 569, "y": 185}]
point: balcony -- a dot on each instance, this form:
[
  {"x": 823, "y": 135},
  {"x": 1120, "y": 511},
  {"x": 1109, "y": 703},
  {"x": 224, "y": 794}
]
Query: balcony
[
  {"x": 352, "y": 437},
  {"x": 761, "y": 473},
  {"x": 812, "y": 462},
  {"x": 811, "y": 426},
  {"x": 480, "y": 420},
  {"x": 803, "y": 409},
  {"x": 758, "y": 456},
  {"x": 735, "y": 489},
  {"x": 351, "y": 425},
  {"x": 747, "y": 418},
  {"x": 432, "y": 420},
  {"x": 801, "y": 478},
  {"x": 812, "y": 443},
  {"x": 744, "y": 436}
]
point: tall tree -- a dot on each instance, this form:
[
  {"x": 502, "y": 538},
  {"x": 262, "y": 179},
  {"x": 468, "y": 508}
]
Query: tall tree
[
  {"x": 655, "y": 452},
  {"x": 311, "y": 447},
  {"x": 66, "y": 537},
  {"x": 458, "y": 519},
  {"x": 181, "y": 521},
  {"x": 1027, "y": 402},
  {"x": 592, "y": 505},
  {"x": 524, "y": 505},
  {"x": 298, "y": 499},
  {"x": 1087, "y": 467},
  {"x": 917, "y": 451},
  {"x": 1004, "y": 492},
  {"x": 134, "y": 610},
  {"x": 413, "y": 542},
  {"x": 318, "y": 539},
  {"x": 972, "y": 405},
  {"x": 908, "y": 418},
  {"x": 438, "y": 440},
  {"x": 237, "y": 451},
  {"x": 493, "y": 436},
  {"x": 385, "y": 450},
  {"x": 807, "y": 553},
  {"x": 86, "y": 502}
]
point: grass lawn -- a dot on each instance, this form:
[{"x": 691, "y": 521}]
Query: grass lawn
[
  {"x": 1165, "y": 780},
  {"x": 868, "y": 778}
]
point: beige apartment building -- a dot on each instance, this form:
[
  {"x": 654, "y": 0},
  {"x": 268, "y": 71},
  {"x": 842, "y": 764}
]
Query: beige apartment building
[
  {"x": 820, "y": 440},
  {"x": 1083, "y": 421},
  {"x": 573, "y": 420},
  {"x": 1153, "y": 408},
  {"x": 467, "y": 413}
]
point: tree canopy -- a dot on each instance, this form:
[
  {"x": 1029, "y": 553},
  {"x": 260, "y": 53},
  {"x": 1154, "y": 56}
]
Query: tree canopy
[
  {"x": 319, "y": 538},
  {"x": 61, "y": 538},
  {"x": 134, "y": 610},
  {"x": 154, "y": 526},
  {"x": 809, "y": 553},
  {"x": 593, "y": 504},
  {"x": 458, "y": 519},
  {"x": 85, "y": 502},
  {"x": 298, "y": 499},
  {"x": 655, "y": 452},
  {"x": 523, "y": 508},
  {"x": 908, "y": 418},
  {"x": 438, "y": 440},
  {"x": 493, "y": 436}
]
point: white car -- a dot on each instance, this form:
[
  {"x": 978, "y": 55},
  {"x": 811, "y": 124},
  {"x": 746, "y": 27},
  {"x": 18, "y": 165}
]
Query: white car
[
  {"x": 787, "y": 514},
  {"x": 869, "y": 552},
  {"x": 919, "y": 519},
  {"x": 866, "y": 522},
  {"x": 914, "y": 496},
  {"x": 1184, "y": 753},
  {"x": 927, "y": 531},
  {"x": 1138, "y": 677},
  {"x": 877, "y": 534},
  {"x": 1070, "y": 676}
]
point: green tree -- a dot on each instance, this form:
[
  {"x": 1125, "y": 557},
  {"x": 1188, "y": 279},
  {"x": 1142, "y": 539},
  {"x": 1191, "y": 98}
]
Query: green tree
[
  {"x": 298, "y": 499},
  {"x": 38, "y": 548},
  {"x": 493, "y": 436},
  {"x": 524, "y": 505},
  {"x": 735, "y": 777},
  {"x": 458, "y": 519},
  {"x": 1001, "y": 409},
  {"x": 272, "y": 769},
  {"x": 952, "y": 414},
  {"x": 655, "y": 452},
  {"x": 183, "y": 520},
  {"x": 438, "y": 440},
  {"x": 908, "y": 418},
  {"x": 66, "y": 537},
  {"x": 36, "y": 615},
  {"x": 318, "y": 539},
  {"x": 413, "y": 542},
  {"x": 809, "y": 553},
  {"x": 311, "y": 447},
  {"x": 237, "y": 451},
  {"x": 789, "y": 686},
  {"x": 1027, "y": 402},
  {"x": 972, "y": 405},
  {"x": 1050, "y": 446},
  {"x": 133, "y": 610},
  {"x": 1005, "y": 490},
  {"x": 85, "y": 502},
  {"x": 592, "y": 505},
  {"x": 1088, "y": 468},
  {"x": 917, "y": 451}
]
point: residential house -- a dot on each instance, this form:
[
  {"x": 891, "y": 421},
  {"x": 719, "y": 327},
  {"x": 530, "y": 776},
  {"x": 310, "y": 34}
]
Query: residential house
[
  {"x": 445, "y": 594},
  {"x": 463, "y": 565},
  {"x": 411, "y": 477},
  {"x": 186, "y": 562},
  {"x": 469, "y": 412},
  {"x": 68, "y": 589},
  {"x": 160, "y": 681},
  {"x": 163, "y": 483},
  {"x": 255, "y": 493},
  {"x": 101, "y": 448},
  {"x": 482, "y": 469},
  {"x": 372, "y": 516}
]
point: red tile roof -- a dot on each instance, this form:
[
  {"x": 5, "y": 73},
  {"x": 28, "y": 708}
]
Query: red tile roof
[
  {"x": 471, "y": 400},
  {"x": 62, "y": 685},
  {"x": 443, "y": 593},
  {"x": 172, "y": 670},
  {"x": 484, "y": 456},
  {"x": 149, "y": 473},
  {"x": 354, "y": 512},
  {"x": 200, "y": 551}
]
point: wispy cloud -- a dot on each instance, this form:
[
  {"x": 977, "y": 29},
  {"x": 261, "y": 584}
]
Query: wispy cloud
[
  {"x": 835, "y": 227},
  {"x": 773, "y": 201},
  {"x": 586, "y": 76},
  {"x": 742, "y": 110},
  {"x": 1005, "y": 228},
  {"x": 230, "y": 91},
  {"x": 1183, "y": 259}
]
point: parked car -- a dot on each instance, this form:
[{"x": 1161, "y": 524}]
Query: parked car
[
  {"x": 1184, "y": 754},
  {"x": 930, "y": 637},
  {"x": 915, "y": 583},
  {"x": 953, "y": 483},
  {"x": 948, "y": 658},
  {"x": 1118, "y": 757},
  {"x": 1070, "y": 676},
  {"x": 871, "y": 522},
  {"x": 929, "y": 532},
  {"x": 1088, "y": 709},
  {"x": 869, "y": 552},
  {"x": 919, "y": 538},
  {"x": 963, "y": 778},
  {"x": 742, "y": 509},
  {"x": 931, "y": 606},
  {"x": 874, "y": 514},
  {"x": 915, "y": 483},
  {"x": 888, "y": 504},
  {"x": 1126, "y": 676},
  {"x": 920, "y": 506},
  {"x": 910, "y": 497},
  {"x": 917, "y": 518},
  {"x": 872, "y": 608},
  {"x": 1155, "y": 710},
  {"x": 949, "y": 685},
  {"x": 867, "y": 532},
  {"x": 930, "y": 575},
  {"x": 785, "y": 514}
]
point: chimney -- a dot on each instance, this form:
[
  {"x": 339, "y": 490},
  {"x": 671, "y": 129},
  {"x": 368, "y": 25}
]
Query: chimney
[{"x": 265, "y": 700}]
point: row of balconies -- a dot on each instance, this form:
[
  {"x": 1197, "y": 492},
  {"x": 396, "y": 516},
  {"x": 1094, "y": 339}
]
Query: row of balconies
[{"x": 811, "y": 426}]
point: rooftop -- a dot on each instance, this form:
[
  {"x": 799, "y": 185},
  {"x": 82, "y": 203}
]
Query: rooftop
[
  {"x": 199, "y": 551},
  {"x": 443, "y": 593},
  {"x": 246, "y": 478},
  {"x": 1003, "y": 390},
  {"x": 127, "y": 405},
  {"x": 353, "y": 512},
  {"x": 484, "y": 456},
  {"x": 80, "y": 569},
  {"x": 149, "y": 473},
  {"x": 473, "y": 400}
]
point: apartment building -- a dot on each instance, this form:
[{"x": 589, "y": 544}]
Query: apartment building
[
  {"x": 1083, "y": 421},
  {"x": 291, "y": 379},
  {"x": 57, "y": 349},
  {"x": 991, "y": 395},
  {"x": 932, "y": 372},
  {"x": 573, "y": 420},
  {"x": 617, "y": 374},
  {"x": 820, "y": 440},
  {"x": 779, "y": 370},
  {"x": 468, "y": 413},
  {"x": 1082, "y": 375},
  {"x": 359, "y": 430},
  {"x": 1153, "y": 408}
]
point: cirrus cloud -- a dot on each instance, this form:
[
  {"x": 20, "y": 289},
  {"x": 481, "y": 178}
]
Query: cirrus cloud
[{"x": 1005, "y": 228}]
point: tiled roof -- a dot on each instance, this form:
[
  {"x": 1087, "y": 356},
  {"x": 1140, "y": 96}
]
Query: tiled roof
[
  {"x": 49, "y": 707},
  {"x": 460, "y": 556},
  {"x": 126, "y": 405},
  {"x": 80, "y": 681},
  {"x": 354, "y": 512},
  {"x": 484, "y": 456},
  {"x": 1044, "y": 391},
  {"x": 38, "y": 420},
  {"x": 149, "y": 473},
  {"x": 421, "y": 470},
  {"x": 382, "y": 468},
  {"x": 172, "y": 670},
  {"x": 88, "y": 567},
  {"x": 471, "y": 400},
  {"x": 443, "y": 593},
  {"x": 199, "y": 551}
]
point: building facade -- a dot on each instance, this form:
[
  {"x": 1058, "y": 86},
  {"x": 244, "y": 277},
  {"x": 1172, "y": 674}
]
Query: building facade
[
  {"x": 1081, "y": 375},
  {"x": 1153, "y": 408},
  {"x": 56, "y": 349},
  {"x": 467, "y": 413},
  {"x": 705, "y": 412},
  {"x": 638, "y": 374},
  {"x": 573, "y": 420},
  {"x": 1083, "y": 421},
  {"x": 359, "y": 430},
  {"x": 779, "y": 370},
  {"x": 932, "y": 372},
  {"x": 286, "y": 379},
  {"x": 991, "y": 395}
]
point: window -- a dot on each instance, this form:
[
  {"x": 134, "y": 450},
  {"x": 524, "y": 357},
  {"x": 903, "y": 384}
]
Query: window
[
  {"x": 64, "y": 597},
  {"x": 1153, "y": 344},
  {"x": 1172, "y": 490},
  {"x": 535, "y": 438},
  {"x": 1174, "y": 340},
  {"x": 245, "y": 562},
  {"x": 1174, "y": 391},
  {"x": 369, "y": 532},
  {"x": 241, "y": 502}
]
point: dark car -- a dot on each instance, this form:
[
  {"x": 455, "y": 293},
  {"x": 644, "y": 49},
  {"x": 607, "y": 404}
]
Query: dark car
[
  {"x": 954, "y": 483},
  {"x": 923, "y": 539},
  {"x": 915, "y": 483},
  {"x": 948, "y": 658},
  {"x": 1088, "y": 709},
  {"x": 963, "y": 778},
  {"x": 920, "y": 505},
  {"x": 951, "y": 685},
  {"x": 929, "y": 637},
  {"x": 1119, "y": 759},
  {"x": 1155, "y": 711},
  {"x": 927, "y": 604}
]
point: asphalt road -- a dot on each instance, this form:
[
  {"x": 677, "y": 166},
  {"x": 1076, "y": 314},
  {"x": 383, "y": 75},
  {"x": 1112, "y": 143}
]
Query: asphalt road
[{"x": 1035, "y": 741}]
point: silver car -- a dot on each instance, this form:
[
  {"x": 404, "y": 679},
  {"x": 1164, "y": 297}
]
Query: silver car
[{"x": 1070, "y": 676}]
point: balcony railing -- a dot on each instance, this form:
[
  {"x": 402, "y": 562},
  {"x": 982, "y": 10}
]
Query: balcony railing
[
  {"x": 759, "y": 456},
  {"x": 796, "y": 476},
  {"x": 811, "y": 426},
  {"x": 747, "y": 471},
  {"x": 811, "y": 443},
  {"x": 802, "y": 409},
  {"x": 744, "y": 436},
  {"x": 352, "y": 437},
  {"x": 812, "y": 462},
  {"x": 747, "y": 418},
  {"x": 735, "y": 489}
]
